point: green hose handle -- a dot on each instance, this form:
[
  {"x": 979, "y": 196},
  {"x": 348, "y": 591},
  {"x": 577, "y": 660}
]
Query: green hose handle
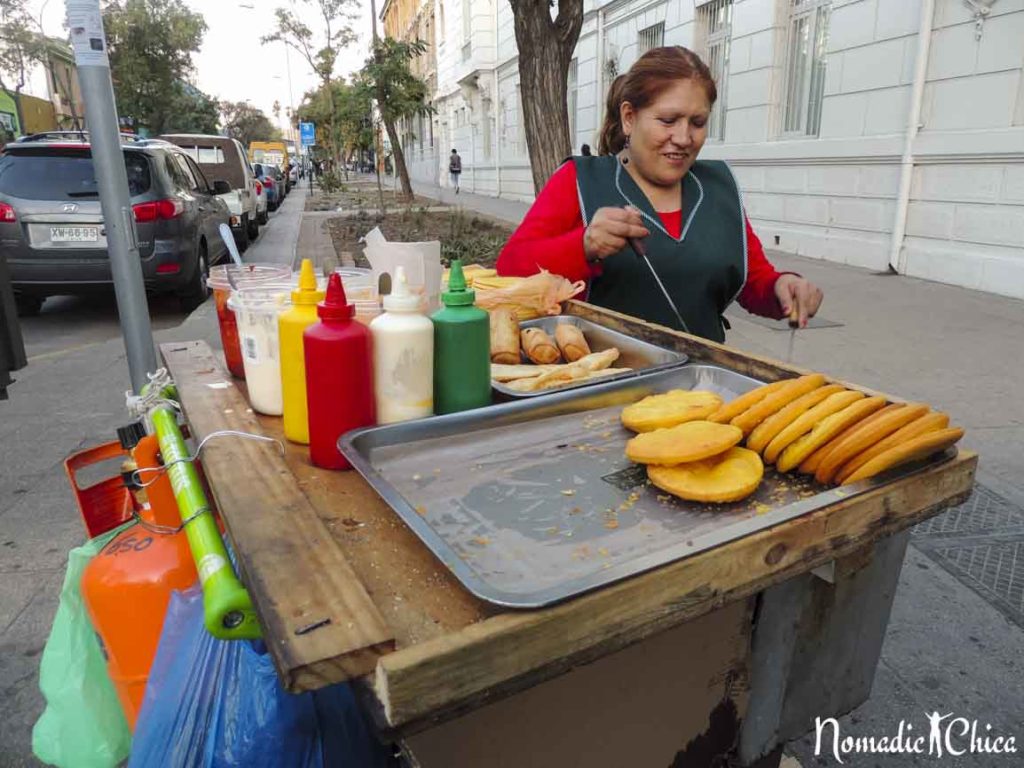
[{"x": 228, "y": 611}]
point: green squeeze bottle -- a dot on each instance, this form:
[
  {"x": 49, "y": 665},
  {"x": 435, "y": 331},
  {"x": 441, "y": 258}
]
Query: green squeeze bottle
[{"x": 462, "y": 349}]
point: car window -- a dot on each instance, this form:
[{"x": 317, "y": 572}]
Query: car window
[
  {"x": 205, "y": 154},
  {"x": 193, "y": 182},
  {"x": 178, "y": 177},
  {"x": 54, "y": 175},
  {"x": 204, "y": 183}
]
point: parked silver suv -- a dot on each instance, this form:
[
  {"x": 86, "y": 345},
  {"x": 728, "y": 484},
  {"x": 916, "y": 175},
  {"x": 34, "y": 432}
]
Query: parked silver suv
[{"x": 51, "y": 224}]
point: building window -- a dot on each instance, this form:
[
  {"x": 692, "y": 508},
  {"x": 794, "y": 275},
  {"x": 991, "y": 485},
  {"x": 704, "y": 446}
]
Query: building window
[
  {"x": 571, "y": 90},
  {"x": 714, "y": 21},
  {"x": 651, "y": 37},
  {"x": 805, "y": 68}
]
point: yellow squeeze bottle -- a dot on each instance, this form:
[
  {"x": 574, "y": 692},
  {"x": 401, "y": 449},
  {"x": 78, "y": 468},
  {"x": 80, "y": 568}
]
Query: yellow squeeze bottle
[{"x": 291, "y": 324}]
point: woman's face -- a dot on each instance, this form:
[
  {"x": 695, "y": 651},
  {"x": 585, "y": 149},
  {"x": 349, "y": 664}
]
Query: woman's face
[{"x": 666, "y": 136}]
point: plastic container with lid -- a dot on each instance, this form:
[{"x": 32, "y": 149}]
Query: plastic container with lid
[
  {"x": 257, "y": 311},
  {"x": 403, "y": 356},
  {"x": 339, "y": 376},
  {"x": 291, "y": 325},
  {"x": 246, "y": 276},
  {"x": 366, "y": 310},
  {"x": 358, "y": 281},
  {"x": 462, "y": 349}
]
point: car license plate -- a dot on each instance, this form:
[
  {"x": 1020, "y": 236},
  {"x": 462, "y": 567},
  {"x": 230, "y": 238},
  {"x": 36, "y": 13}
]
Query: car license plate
[{"x": 74, "y": 234}]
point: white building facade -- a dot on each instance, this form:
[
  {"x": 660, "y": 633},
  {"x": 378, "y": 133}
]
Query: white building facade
[{"x": 865, "y": 132}]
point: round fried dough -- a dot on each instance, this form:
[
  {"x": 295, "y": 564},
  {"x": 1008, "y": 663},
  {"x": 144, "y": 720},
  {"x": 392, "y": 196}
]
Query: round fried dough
[
  {"x": 776, "y": 401},
  {"x": 738, "y": 405},
  {"x": 930, "y": 422},
  {"x": 860, "y": 437},
  {"x": 825, "y": 431},
  {"x": 807, "y": 421},
  {"x": 666, "y": 410},
  {"x": 730, "y": 476},
  {"x": 692, "y": 441},
  {"x": 919, "y": 447},
  {"x": 766, "y": 431}
]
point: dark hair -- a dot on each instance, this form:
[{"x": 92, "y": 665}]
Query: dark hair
[
  {"x": 585, "y": 150},
  {"x": 649, "y": 76},
  {"x": 454, "y": 152}
]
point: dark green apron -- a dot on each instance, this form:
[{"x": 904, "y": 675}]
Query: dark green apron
[{"x": 702, "y": 272}]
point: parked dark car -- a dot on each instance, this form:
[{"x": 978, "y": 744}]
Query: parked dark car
[
  {"x": 269, "y": 181},
  {"x": 51, "y": 223},
  {"x": 281, "y": 179}
]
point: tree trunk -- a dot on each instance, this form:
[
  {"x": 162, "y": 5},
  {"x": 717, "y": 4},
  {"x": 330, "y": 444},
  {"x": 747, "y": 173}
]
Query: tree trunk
[
  {"x": 378, "y": 154},
  {"x": 17, "y": 107},
  {"x": 400, "y": 169},
  {"x": 545, "y": 51}
]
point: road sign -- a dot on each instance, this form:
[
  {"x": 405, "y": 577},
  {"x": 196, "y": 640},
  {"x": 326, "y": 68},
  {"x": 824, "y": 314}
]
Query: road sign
[{"x": 307, "y": 134}]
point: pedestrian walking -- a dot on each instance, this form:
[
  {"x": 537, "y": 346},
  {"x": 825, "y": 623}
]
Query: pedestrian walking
[
  {"x": 585, "y": 150},
  {"x": 455, "y": 169}
]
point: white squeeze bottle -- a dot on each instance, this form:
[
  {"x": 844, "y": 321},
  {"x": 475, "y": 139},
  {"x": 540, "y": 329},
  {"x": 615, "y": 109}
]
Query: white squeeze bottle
[{"x": 403, "y": 356}]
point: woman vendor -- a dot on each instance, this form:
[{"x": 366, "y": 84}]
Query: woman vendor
[{"x": 646, "y": 193}]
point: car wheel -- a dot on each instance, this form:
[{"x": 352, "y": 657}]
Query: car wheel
[
  {"x": 197, "y": 291},
  {"x": 242, "y": 236},
  {"x": 28, "y": 306},
  {"x": 264, "y": 217},
  {"x": 253, "y": 228}
]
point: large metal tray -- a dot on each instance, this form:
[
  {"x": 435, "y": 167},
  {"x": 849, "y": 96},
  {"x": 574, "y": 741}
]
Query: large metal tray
[
  {"x": 532, "y": 502},
  {"x": 642, "y": 356}
]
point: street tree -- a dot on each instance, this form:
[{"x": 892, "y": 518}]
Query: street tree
[
  {"x": 246, "y": 123},
  {"x": 20, "y": 46},
  {"x": 546, "y": 46},
  {"x": 151, "y": 43},
  {"x": 320, "y": 51},
  {"x": 350, "y": 108},
  {"x": 398, "y": 92},
  {"x": 191, "y": 111}
]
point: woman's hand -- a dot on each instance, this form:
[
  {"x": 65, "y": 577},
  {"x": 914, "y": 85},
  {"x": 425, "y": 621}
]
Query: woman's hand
[
  {"x": 796, "y": 293},
  {"x": 608, "y": 230}
]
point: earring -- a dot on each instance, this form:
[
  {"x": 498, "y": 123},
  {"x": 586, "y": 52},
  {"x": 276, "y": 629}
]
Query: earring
[
  {"x": 625, "y": 160},
  {"x": 627, "y": 141}
]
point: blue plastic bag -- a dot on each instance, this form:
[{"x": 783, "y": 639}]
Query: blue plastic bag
[{"x": 218, "y": 703}]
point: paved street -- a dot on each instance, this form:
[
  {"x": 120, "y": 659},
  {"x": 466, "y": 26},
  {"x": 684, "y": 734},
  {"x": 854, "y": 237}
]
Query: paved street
[{"x": 952, "y": 644}]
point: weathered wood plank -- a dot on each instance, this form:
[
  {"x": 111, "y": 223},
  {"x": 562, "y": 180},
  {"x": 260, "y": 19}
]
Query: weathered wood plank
[
  {"x": 511, "y": 651},
  {"x": 290, "y": 563}
]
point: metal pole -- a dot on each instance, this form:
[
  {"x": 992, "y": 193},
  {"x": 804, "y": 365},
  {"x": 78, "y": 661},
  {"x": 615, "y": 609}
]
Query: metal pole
[{"x": 89, "y": 42}]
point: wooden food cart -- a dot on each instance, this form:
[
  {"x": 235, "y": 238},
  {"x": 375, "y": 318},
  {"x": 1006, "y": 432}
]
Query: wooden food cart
[{"x": 732, "y": 651}]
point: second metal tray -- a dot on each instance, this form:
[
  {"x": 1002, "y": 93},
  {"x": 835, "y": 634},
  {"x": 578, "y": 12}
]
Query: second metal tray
[
  {"x": 532, "y": 502},
  {"x": 642, "y": 356}
]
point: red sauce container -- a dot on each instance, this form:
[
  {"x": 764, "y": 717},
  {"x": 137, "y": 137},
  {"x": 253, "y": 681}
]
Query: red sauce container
[
  {"x": 339, "y": 376},
  {"x": 246, "y": 276}
]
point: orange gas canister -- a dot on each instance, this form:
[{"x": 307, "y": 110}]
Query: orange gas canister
[{"x": 127, "y": 586}]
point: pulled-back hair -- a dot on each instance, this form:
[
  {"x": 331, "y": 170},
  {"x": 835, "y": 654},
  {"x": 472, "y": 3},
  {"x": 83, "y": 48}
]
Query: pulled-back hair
[{"x": 649, "y": 76}]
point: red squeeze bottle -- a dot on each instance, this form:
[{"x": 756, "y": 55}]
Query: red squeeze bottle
[{"x": 339, "y": 376}]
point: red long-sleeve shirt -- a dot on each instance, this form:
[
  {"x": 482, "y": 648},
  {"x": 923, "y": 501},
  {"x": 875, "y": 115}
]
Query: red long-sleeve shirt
[{"x": 551, "y": 237}]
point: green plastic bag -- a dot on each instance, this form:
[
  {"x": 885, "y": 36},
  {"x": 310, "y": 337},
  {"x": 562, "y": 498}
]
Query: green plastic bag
[{"x": 83, "y": 725}]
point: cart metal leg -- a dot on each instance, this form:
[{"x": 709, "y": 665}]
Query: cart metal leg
[{"x": 816, "y": 646}]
